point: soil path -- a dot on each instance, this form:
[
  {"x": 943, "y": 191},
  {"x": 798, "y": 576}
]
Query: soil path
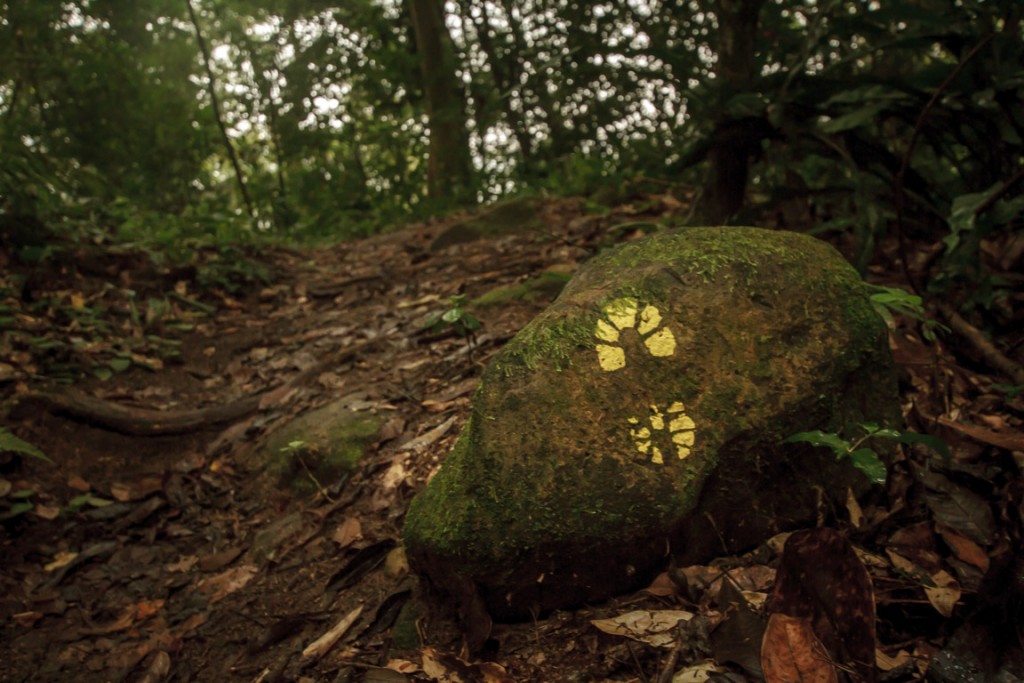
[{"x": 191, "y": 564}]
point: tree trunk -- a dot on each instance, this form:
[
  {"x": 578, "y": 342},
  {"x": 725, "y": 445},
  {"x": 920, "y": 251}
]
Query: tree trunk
[
  {"x": 448, "y": 167},
  {"x": 734, "y": 140}
]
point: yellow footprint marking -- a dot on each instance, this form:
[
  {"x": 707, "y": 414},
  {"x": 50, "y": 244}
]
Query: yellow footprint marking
[
  {"x": 681, "y": 430},
  {"x": 622, "y": 314}
]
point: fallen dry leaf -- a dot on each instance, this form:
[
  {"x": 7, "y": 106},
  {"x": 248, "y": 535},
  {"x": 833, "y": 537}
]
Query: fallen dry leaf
[
  {"x": 945, "y": 594},
  {"x": 47, "y": 512},
  {"x": 654, "y": 627},
  {"x": 348, "y": 532},
  {"x": 820, "y": 578},
  {"x": 440, "y": 666},
  {"x": 854, "y": 509},
  {"x": 27, "y": 619},
  {"x": 402, "y": 666},
  {"x": 127, "y": 492},
  {"x": 226, "y": 583},
  {"x": 76, "y": 483},
  {"x": 964, "y": 548},
  {"x": 886, "y": 663},
  {"x": 219, "y": 560},
  {"x": 662, "y": 586},
  {"x": 697, "y": 673},
  {"x": 184, "y": 563},
  {"x": 148, "y": 608},
  {"x": 61, "y": 559},
  {"x": 1010, "y": 442},
  {"x": 791, "y": 652}
]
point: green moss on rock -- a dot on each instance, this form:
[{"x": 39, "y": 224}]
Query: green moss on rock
[
  {"x": 645, "y": 409},
  {"x": 545, "y": 286},
  {"x": 320, "y": 447}
]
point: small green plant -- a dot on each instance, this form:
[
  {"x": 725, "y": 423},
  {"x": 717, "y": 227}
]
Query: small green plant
[
  {"x": 890, "y": 300},
  {"x": 9, "y": 443},
  {"x": 14, "y": 504},
  {"x": 455, "y": 318},
  {"x": 863, "y": 457}
]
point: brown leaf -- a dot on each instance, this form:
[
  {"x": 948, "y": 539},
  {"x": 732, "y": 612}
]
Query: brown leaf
[
  {"x": 654, "y": 627},
  {"x": 27, "y": 619},
  {"x": 219, "y": 560},
  {"x": 158, "y": 669},
  {"x": 228, "y": 582},
  {"x": 1010, "y": 442},
  {"x": 964, "y": 548},
  {"x": 662, "y": 586},
  {"x": 76, "y": 483},
  {"x": 442, "y": 666},
  {"x": 944, "y": 594},
  {"x": 348, "y": 532},
  {"x": 790, "y": 652},
  {"x": 126, "y": 492},
  {"x": 820, "y": 578},
  {"x": 148, "y": 608}
]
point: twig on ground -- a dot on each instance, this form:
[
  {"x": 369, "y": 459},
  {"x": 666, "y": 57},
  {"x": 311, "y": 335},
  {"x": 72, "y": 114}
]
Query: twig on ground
[{"x": 988, "y": 352}]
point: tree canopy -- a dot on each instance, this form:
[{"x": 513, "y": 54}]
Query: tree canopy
[{"x": 333, "y": 119}]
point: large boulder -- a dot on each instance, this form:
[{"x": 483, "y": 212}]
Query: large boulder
[{"x": 641, "y": 414}]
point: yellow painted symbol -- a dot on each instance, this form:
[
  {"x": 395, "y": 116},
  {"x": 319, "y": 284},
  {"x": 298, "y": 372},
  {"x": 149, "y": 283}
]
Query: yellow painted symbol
[
  {"x": 680, "y": 426},
  {"x": 625, "y": 313}
]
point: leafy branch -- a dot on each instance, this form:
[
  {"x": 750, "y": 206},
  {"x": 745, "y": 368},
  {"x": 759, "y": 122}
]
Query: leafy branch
[{"x": 863, "y": 457}]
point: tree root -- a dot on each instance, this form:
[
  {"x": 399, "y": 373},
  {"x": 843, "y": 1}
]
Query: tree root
[
  {"x": 988, "y": 352},
  {"x": 148, "y": 422}
]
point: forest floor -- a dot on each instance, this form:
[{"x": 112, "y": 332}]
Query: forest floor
[{"x": 155, "y": 547}]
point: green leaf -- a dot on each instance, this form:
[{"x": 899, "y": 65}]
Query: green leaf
[
  {"x": 932, "y": 442},
  {"x": 855, "y": 119},
  {"x": 79, "y": 502},
  {"x": 12, "y": 444},
  {"x": 16, "y": 510},
  {"x": 868, "y": 462},
  {"x": 820, "y": 438},
  {"x": 103, "y": 373},
  {"x": 120, "y": 364}
]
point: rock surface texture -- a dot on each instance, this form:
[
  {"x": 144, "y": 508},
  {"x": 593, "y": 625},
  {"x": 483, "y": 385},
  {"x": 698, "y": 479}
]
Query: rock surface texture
[{"x": 641, "y": 415}]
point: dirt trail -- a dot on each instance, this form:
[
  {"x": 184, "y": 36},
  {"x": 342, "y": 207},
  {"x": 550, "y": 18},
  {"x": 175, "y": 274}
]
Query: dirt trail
[
  {"x": 202, "y": 557},
  {"x": 203, "y": 569}
]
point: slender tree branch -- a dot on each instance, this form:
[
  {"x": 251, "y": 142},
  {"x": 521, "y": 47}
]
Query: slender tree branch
[
  {"x": 986, "y": 349},
  {"x": 215, "y": 102}
]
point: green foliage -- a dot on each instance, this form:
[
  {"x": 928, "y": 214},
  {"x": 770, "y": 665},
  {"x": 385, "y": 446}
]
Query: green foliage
[
  {"x": 232, "y": 270},
  {"x": 865, "y": 458},
  {"x": 889, "y": 300},
  {"x": 78, "y": 503},
  {"x": 1010, "y": 390},
  {"x": 13, "y": 505},
  {"x": 9, "y": 443},
  {"x": 456, "y": 318},
  {"x": 880, "y": 117}
]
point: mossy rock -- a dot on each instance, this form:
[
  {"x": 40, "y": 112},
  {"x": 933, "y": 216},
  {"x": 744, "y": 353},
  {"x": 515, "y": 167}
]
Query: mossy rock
[
  {"x": 641, "y": 414},
  {"x": 545, "y": 286},
  {"x": 503, "y": 218},
  {"x": 325, "y": 444}
]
